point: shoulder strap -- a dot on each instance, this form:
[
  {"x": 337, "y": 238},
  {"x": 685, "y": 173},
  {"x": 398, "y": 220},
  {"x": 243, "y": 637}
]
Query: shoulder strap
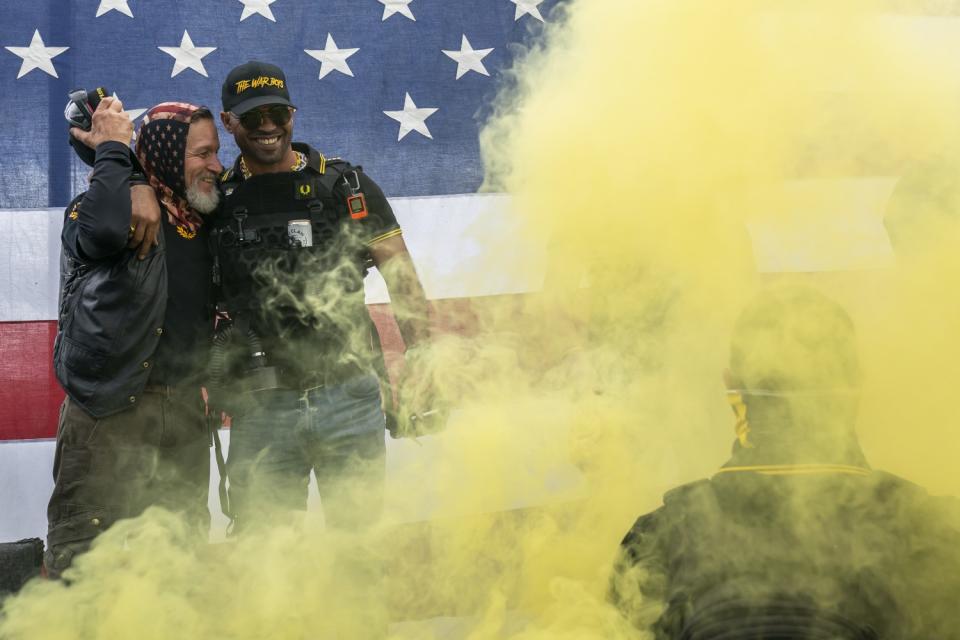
[{"x": 334, "y": 173}]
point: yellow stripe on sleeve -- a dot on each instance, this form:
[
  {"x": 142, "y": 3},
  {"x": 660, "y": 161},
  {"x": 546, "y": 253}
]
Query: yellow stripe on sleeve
[
  {"x": 383, "y": 236},
  {"x": 798, "y": 469}
]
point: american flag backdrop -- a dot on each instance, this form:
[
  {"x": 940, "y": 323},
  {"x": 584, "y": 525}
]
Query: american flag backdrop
[{"x": 400, "y": 87}]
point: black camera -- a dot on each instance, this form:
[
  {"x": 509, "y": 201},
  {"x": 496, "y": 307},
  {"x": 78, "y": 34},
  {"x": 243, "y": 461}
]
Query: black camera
[{"x": 82, "y": 104}]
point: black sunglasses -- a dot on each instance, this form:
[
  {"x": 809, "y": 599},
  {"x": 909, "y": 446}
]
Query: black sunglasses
[{"x": 279, "y": 115}]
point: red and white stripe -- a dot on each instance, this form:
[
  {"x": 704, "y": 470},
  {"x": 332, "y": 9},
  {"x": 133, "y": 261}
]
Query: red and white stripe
[{"x": 461, "y": 246}]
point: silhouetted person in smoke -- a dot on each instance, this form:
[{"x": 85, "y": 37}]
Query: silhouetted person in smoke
[{"x": 795, "y": 536}]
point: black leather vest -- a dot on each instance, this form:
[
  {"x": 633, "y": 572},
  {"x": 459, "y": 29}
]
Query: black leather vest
[{"x": 110, "y": 320}]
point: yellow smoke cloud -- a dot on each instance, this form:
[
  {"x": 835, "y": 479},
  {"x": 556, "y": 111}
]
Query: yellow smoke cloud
[{"x": 639, "y": 144}]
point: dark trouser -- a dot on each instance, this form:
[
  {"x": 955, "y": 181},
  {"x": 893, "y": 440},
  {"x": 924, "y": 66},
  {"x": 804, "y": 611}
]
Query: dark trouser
[
  {"x": 156, "y": 453},
  {"x": 279, "y": 436}
]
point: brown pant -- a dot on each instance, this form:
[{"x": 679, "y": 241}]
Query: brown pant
[{"x": 156, "y": 453}]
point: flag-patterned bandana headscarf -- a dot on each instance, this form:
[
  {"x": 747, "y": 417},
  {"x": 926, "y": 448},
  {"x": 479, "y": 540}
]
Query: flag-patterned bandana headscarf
[{"x": 161, "y": 149}]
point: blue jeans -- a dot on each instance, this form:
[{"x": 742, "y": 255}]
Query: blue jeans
[{"x": 281, "y": 435}]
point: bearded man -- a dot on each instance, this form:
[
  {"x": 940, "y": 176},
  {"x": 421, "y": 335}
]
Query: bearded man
[{"x": 133, "y": 330}]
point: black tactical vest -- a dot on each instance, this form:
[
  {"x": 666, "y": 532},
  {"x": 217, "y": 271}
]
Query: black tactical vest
[
  {"x": 108, "y": 327},
  {"x": 305, "y": 302}
]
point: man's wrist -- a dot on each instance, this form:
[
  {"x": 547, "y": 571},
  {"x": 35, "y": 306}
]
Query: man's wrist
[
  {"x": 110, "y": 144},
  {"x": 113, "y": 150}
]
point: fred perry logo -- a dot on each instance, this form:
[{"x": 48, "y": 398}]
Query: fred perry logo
[{"x": 304, "y": 190}]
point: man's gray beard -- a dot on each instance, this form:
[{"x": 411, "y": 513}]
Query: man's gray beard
[{"x": 202, "y": 202}]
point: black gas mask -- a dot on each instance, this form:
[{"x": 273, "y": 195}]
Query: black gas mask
[
  {"x": 81, "y": 105},
  {"x": 79, "y": 113}
]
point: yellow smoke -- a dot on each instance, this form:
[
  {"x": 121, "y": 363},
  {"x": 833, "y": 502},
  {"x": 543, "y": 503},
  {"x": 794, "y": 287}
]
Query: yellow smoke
[{"x": 641, "y": 145}]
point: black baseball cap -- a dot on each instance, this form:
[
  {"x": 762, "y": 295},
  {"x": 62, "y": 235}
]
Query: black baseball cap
[{"x": 254, "y": 84}]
